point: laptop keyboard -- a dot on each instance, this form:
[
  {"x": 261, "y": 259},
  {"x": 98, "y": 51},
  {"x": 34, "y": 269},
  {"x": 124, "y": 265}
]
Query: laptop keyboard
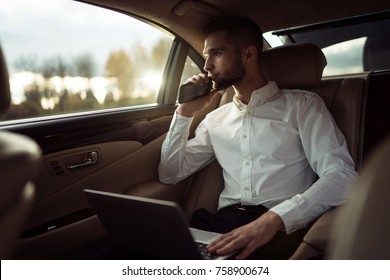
[{"x": 204, "y": 252}]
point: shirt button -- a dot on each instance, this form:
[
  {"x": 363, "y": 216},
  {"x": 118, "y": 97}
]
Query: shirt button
[
  {"x": 246, "y": 189},
  {"x": 247, "y": 163},
  {"x": 244, "y": 136}
]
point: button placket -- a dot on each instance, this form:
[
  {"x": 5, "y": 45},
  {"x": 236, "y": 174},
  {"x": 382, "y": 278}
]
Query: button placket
[{"x": 246, "y": 167}]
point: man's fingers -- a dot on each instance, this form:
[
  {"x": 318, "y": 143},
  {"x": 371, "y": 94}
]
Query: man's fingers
[
  {"x": 218, "y": 243},
  {"x": 227, "y": 243},
  {"x": 198, "y": 79},
  {"x": 234, "y": 242}
]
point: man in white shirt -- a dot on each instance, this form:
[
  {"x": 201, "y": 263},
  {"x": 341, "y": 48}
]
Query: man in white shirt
[{"x": 271, "y": 143}]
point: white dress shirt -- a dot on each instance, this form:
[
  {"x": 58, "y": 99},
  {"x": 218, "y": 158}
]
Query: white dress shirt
[{"x": 271, "y": 152}]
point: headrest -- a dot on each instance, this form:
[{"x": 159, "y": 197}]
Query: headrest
[
  {"x": 5, "y": 93},
  {"x": 294, "y": 66}
]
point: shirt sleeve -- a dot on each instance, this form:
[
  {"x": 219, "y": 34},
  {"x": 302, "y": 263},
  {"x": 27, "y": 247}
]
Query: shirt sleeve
[
  {"x": 181, "y": 157},
  {"x": 327, "y": 153}
]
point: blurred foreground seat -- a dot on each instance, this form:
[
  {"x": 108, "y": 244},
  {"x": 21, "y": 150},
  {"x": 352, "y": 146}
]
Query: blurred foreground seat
[{"x": 19, "y": 162}]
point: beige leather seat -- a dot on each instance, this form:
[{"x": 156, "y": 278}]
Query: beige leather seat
[
  {"x": 19, "y": 159},
  {"x": 294, "y": 66},
  {"x": 362, "y": 227}
]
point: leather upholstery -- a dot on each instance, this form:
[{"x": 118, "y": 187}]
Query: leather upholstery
[
  {"x": 294, "y": 66},
  {"x": 19, "y": 162},
  {"x": 362, "y": 227},
  {"x": 19, "y": 159}
]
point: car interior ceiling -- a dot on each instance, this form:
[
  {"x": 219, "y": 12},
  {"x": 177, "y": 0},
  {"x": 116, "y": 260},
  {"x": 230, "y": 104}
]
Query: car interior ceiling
[{"x": 269, "y": 15}]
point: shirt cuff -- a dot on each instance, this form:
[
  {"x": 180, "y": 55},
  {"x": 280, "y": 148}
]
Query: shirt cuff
[
  {"x": 297, "y": 212},
  {"x": 293, "y": 212},
  {"x": 180, "y": 123},
  {"x": 287, "y": 214}
]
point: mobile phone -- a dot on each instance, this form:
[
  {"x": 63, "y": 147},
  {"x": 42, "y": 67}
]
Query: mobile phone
[{"x": 191, "y": 91}]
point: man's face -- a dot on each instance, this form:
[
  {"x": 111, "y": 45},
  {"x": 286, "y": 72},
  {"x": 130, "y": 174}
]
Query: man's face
[{"x": 223, "y": 62}]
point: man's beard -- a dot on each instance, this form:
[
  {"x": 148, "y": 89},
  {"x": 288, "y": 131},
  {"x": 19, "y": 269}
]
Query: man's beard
[{"x": 231, "y": 76}]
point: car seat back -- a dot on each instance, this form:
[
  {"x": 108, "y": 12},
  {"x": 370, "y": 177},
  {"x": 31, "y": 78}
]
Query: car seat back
[
  {"x": 361, "y": 228},
  {"x": 19, "y": 159}
]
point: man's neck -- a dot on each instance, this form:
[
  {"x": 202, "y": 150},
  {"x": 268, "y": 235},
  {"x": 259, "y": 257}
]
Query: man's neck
[{"x": 245, "y": 88}]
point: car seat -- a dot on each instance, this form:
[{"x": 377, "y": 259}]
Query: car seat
[
  {"x": 361, "y": 229},
  {"x": 19, "y": 160}
]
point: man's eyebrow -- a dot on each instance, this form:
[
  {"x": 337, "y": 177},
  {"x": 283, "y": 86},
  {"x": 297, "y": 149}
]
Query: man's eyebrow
[{"x": 212, "y": 50}]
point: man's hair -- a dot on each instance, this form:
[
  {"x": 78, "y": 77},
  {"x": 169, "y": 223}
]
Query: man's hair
[{"x": 241, "y": 32}]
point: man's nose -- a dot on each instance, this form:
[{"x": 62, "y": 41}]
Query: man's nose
[{"x": 208, "y": 66}]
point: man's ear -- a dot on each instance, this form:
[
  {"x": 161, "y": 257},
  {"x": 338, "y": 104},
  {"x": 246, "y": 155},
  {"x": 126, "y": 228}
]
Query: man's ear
[{"x": 250, "y": 54}]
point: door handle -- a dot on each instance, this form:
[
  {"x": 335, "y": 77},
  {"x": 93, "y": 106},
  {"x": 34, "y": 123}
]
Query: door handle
[{"x": 89, "y": 159}]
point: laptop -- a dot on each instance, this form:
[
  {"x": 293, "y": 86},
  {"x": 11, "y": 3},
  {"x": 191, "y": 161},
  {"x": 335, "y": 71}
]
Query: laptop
[{"x": 152, "y": 227}]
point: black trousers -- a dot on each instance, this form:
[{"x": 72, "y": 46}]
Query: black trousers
[
  {"x": 281, "y": 247},
  {"x": 226, "y": 219}
]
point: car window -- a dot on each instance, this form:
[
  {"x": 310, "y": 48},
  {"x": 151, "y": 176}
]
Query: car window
[
  {"x": 351, "y": 46},
  {"x": 345, "y": 57},
  {"x": 66, "y": 57}
]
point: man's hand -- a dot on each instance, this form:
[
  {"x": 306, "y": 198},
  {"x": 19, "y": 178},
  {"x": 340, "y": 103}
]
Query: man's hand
[
  {"x": 189, "y": 109},
  {"x": 248, "y": 237}
]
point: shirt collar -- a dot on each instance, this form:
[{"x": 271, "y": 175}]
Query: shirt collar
[{"x": 259, "y": 96}]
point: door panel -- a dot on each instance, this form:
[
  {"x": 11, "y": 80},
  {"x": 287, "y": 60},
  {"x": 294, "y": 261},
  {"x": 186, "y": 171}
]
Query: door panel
[
  {"x": 62, "y": 241},
  {"x": 60, "y": 214}
]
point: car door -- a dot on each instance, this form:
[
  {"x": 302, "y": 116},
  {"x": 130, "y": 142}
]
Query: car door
[{"x": 98, "y": 106}]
